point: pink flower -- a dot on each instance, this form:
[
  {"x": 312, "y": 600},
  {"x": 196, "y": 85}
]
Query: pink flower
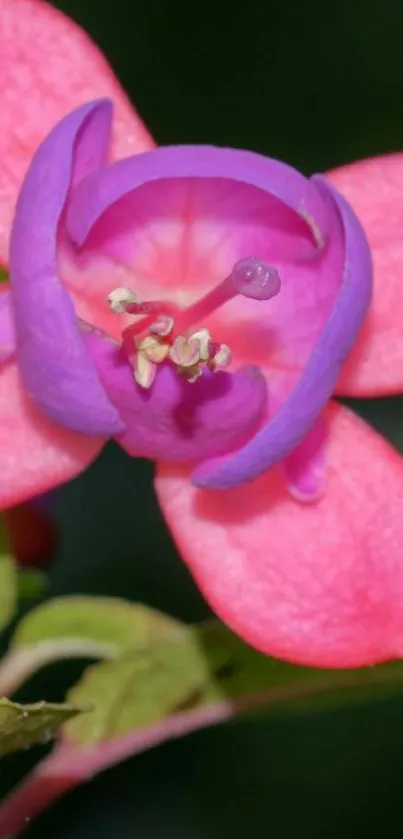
[{"x": 190, "y": 245}]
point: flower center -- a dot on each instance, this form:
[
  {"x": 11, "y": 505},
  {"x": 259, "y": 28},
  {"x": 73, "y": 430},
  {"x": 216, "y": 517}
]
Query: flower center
[{"x": 163, "y": 332}]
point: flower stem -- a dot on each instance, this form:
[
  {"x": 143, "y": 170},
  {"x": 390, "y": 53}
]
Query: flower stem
[{"x": 71, "y": 764}]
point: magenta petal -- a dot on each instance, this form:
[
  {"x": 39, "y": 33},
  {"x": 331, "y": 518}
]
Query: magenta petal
[
  {"x": 54, "y": 365},
  {"x": 8, "y": 339},
  {"x": 175, "y": 419},
  {"x": 296, "y": 416},
  {"x": 103, "y": 188}
]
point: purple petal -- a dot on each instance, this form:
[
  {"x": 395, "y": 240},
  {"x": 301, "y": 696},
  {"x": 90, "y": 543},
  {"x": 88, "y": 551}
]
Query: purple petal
[
  {"x": 176, "y": 420},
  {"x": 55, "y": 368},
  {"x": 97, "y": 192},
  {"x": 315, "y": 386},
  {"x": 8, "y": 341}
]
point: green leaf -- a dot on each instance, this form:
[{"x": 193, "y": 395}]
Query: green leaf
[
  {"x": 110, "y": 623},
  {"x": 3, "y": 275},
  {"x": 8, "y": 589},
  {"x": 80, "y": 627},
  {"x": 24, "y": 725},
  {"x": 140, "y": 688},
  {"x": 205, "y": 666}
]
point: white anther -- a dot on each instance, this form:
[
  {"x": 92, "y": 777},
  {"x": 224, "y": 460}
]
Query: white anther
[
  {"x": 204, "y": 338},
  {"x": 120, "y": 298},
  {"x": 144, "y": 371},
  {"x": 162, "y": 326},
  {"x": 153, "y": 349},
  {"x": 185, "y": 352},
  {"x": 222, "y": 358}
]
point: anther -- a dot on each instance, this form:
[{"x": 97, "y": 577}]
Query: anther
[
  {"x": 120, "y": 298},
  {"x": 163, "y": 326},
  {"x": 221, "y": 359},
  {"x": 205, "y": 344},
  {"x": 185, "y": 352}
]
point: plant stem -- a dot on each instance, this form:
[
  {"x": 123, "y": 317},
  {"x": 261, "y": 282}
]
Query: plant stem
[
  {"x": 71, "y": 764},
  {"x": 19, "y": 664},
  {"x": 31, "y": 797}
]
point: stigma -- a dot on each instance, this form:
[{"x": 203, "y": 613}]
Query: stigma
[{"x": 163, "y": 333}]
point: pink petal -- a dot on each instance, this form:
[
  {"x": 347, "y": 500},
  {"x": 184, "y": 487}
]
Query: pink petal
[
  {"x": 35, "y": 454},
  {"x": 175, "y": 419},
  {"x": 48, "y": 66},
  {"x": 375, "y": 190},
  {"x": 7, "y": 327},
  {"x": 318, "y": 584}
]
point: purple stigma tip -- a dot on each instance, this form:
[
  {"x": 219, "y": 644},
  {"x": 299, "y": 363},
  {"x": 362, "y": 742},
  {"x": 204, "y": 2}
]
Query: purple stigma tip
[{"x": 254, "y": 278}]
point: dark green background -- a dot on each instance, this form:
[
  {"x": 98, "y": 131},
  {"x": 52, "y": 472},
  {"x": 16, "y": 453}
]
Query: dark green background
[{"x": 316, "y": 84}]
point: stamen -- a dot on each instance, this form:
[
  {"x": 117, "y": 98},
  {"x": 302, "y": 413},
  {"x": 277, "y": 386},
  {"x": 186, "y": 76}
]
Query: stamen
[
  {"x": 204, "y": 338},
  {"x": 149, "y": 351},
  {"x": 153, "y": 349},
  {"x": 151, "y": 340},
  {"x": 120, "y": 298},
  {"x": 144, "y": 371},
  {"x": 191, "y": 354},
  {"x": 124, "y": 300},
  {"x": 221, "y": 359},
  {"x": 162, "y": 326},
  {"x": 190, "y": 373},
  {"x": 185, "y": 352}
]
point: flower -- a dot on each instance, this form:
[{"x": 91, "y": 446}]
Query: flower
[{"x": 197, "y": 304}]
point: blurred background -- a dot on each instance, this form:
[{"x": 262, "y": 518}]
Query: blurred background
[
  {"x": 314, "y": 83},
  {"x": 317, "y": 85}
]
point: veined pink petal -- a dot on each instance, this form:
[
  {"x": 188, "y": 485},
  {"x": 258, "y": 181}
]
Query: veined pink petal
[
  {"x": 374, "y": 188},
  {"x": 35, "y": 454},
  {"x": 318, "y": 584},
  {"x": 48, "y": 66}
]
